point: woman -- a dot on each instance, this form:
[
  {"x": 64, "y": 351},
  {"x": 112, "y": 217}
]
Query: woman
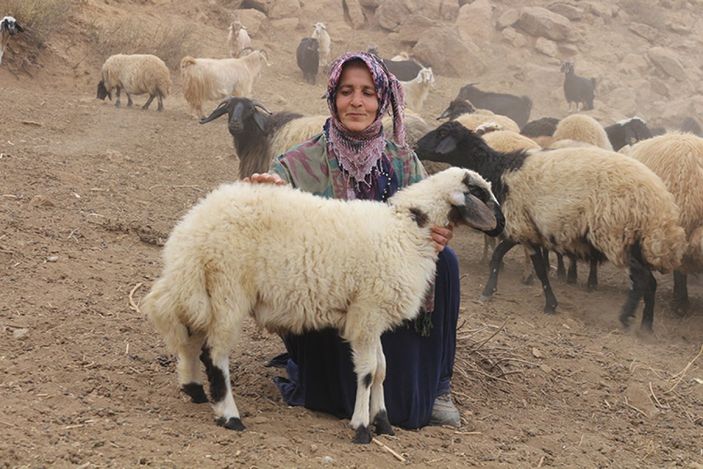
[{"x": 351, "y": 159}]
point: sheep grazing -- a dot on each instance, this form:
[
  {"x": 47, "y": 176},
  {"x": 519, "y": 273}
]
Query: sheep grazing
[
  {"x": 215, "y": 275},
  {"x": 308, "y": 58},
  {"x": 323, "y": 38},
  {"x": 417, "y": 90},
  {"x": 210, "y": 79},
  {"x": 627, "y": 132},
  {"x": 578, "y": 90},
  {"x": 8, "y": 27},
  {"x": 581, "y": 201},
  {"x": 136, "y": 74},
  {"x": 677, "y": 158},
  {"x": 517, "y": 108},
  {"x": 260, "y": 135},
  {"x": 582, "y": 128},
  {"x": 238, "y": 39}
]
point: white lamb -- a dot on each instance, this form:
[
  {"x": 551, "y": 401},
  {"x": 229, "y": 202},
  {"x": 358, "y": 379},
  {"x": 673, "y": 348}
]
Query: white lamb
[
  {"x": 323, "y": 38},
  {"x": 416, "y": 90},
  {"x": 238, "y": 39},
  {"x": 295, "y": 262},
  {"x": 211, "y": 79}
]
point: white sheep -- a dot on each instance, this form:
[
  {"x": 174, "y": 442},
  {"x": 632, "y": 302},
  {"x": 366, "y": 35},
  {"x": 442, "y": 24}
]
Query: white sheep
[
  {"x": 237, "y": 39},
  {"x": 210, "y": 79},
  {"x": 294, "y": 262},
  {"x": 8, "y": 27},
  {"x": 581, "y": 128},
  {"x": 135, "y": 74},
  {"x": 323, "y": 38},
  {"x": 417, "y": 89}
]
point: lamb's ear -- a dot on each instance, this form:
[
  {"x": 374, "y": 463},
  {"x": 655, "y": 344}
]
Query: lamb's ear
[
  {"x": 446, "y": 145},
  {"x": 474, "y": 213},
  {"x": 260, "y": 119}
]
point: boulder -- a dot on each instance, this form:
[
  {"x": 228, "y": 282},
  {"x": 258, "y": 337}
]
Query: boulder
[
  {"x": 475, "y": 21},
  {"x": 667, "y": 61},
  {"x": 515, "y": 38},
  {"x": 263, "y": 6},
  {"x": 251, "y": 19},
  {"x": 546, "y": 47},
  {"x": 370, "y": 4},
  {"x": 391, "y": 14},
  {"x": 284, "y": 9},
  {"x": 457, "y": 58},
  {"x": 567, "y": 10},
  {"x": 508, "y": 18},
  {"x": 644, "y": 31},
  {"x": 413, "y": 28},
  {"x": 286, "y": 24},
  {"x": 449, "y": 10},
  {"x": 540, "y": 22},
  {"x": 429, "y": 8},
  {"x": 356, "y": 13}
]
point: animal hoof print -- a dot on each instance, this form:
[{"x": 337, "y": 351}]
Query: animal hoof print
[
  {"x": 196, "y": 392},
  {"x": 232, "y": 423},
  {"x": 363, "y": 436}
]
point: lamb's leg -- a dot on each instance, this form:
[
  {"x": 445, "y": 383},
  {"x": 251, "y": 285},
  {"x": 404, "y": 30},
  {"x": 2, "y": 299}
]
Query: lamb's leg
[
  {"x": 489, "y": 244},
  {"x": 189, "y": 375},
  {"x": 148, "y": 102},
  {"x": 572, "y": 275},
  {"x": 539, "y": 262},
  {"x": 216, "y": 362},
  {"x": 527, "y": 270},
  {"x": 498, "y": 253},
  {"x": 378, "y": 403},
  {"x": 638, "y": 273},
  {"x": 593, "y": 275},
  {"x": 365, "y": 363},
  {"x": 680, "y": 292},
  {"x": 117, "y": 94},
  {"x": 161, "y": 103},
  {"x": 561, "y": 270},
  {"x": 650, "y": 289},
  {"x": 129, "y": 100}
]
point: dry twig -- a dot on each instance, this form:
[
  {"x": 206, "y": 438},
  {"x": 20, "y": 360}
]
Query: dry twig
[
  {"x": 678, "y": 377},
  {"x": 661, "y": 406},
  {"x": 478, "y": 347},
  {"x": 635, "y": 408},
  {"x": 132, "y": 304},
  {"x": 386, "y": 448}
]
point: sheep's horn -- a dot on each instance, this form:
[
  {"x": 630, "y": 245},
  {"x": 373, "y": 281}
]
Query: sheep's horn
[
  {"x": 262, "y": 107},
  {"x": 221, "y": 109}
]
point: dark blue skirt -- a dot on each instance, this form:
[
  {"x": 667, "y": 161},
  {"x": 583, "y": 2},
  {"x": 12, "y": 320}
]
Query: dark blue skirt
[{"x": 321, "y": 373}]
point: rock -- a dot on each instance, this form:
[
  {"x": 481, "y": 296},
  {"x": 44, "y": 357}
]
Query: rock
[
  {"x": 263, "y": 6},
  {"x": 251, "y": 19},
  {"x": 370, "y": 4},
  {"x": 429, "y": 8},
  {"x": 259, "y": 419},
  {"x": 667, "y": 61},
  {"x": 659, "y": 87},
  {"x": 536, "y": 353},
  {"x": 284, "y": 9},
  {"x": 573, "y": 13},
  {"x": 449, "y": 10},
  {"x": 20, "y": 333},
  {"x": 475, "y": 22},
  {"x": 413, "y": 28},
  {"x": 356, "y": 13},
  {"x": 644, "y": 31},
  {"x": 508, "y": 18},
  {"x": 515, "y": 38},
  {"x": 568, "y": 50},
  {"x": 540, "y": 22},
  {"x": 603, "y": 10},
  {"x": 41, "y": 201},
  {"x": 285, "y": 24},
  {"x": 391, "y": 14},
  {"x": 546, "y": 47},
  {"x": 327, "y": 460},
  {"x": 458, "y": 58}
]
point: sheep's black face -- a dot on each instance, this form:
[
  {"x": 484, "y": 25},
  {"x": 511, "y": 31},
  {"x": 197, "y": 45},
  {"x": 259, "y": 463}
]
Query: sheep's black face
[
  {"x": 440, "y": 143},
  {"x": 457, "y": 108},
  {"x": 636, "y": 130},
  {"x": 477, "y": 207},
  {"x": 102, "y": 91}
]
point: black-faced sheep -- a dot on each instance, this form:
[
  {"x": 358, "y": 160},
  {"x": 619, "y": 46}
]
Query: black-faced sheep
[
  {"x": 308, "y": 58},
  {"x": 8, "y": 28},
  {"x": 135, "y": 74},
  {"x": 627, "y": 132},
  {"x": 582, "y": 201},
  {"x": 578, "y": 90},
  {"x": 474, "y": 118},
  {"x": 239, "y": 252},
  {"x": 456, "y": 108},
  {"x": 517, "y": 108},
  {"x": 541, "y": 130}
]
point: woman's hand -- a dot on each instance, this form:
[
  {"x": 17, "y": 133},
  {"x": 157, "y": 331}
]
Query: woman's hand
[
  {"x": 265, "y": 178},
  {"x": 440, "y": 236}
]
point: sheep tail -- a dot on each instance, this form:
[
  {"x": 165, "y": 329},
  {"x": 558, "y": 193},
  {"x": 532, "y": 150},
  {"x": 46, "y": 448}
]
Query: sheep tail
[{"x": 664, "y": 247}]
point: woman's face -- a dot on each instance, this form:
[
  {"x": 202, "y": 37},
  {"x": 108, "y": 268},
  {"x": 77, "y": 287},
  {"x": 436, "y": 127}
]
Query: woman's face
[{"x": 356, "y": 98}]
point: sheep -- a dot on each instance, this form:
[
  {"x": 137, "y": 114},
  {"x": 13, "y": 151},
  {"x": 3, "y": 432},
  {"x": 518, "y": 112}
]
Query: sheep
[
  {"x": 259, "y": 135},
  {"x": 238, "y": 39},
  {"x": 677, "y": 158},
  {"x": 8, "y": 27},
  {"x": 579, "y": 201},
  {"x": 308, "y": 57},
  {"x": 323, "y": 38},
  {"x": 627, "y": 132},
  {"x": 517, "y": 108},
  {"x": 582, "y": 128},
  {"x": 239, "y": 252},
  {"x": 541, "y": 130},
  {"x": 209, "y": 79},
  {"x": 400, "y": 56},
  {"x": 578, "y": 90},
  {"x": 456, "y": 108},
  {"x": 136, "y": 74},
  {"x": 416, "y": 90},
  {"x": 415, "y": 127}
]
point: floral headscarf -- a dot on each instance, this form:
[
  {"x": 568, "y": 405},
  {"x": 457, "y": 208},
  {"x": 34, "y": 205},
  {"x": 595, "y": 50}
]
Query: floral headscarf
[{"x": 360, "y": 152}]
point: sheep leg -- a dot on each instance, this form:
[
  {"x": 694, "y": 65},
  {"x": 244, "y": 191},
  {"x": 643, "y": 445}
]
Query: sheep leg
[
  {"x": 148, "y": 102},
  {"x": 498, "y": 253},
  {"x": 378, "y": 403},
  {"x": 161, "y": 103},
  {"x": 680, "y": 292},
  {"x": 539, "y": 262},
  {"x": 561, "y": 270},
  {"x": 489, "y": 244},
  {"x": 189, "y": 369},
  {"x": 365, "y": 363},
  {"x": 129, "y": 100},
  {"x": 117, "y": 94},
  {"x": 593, "y": 276},
  {"x": 216, "y": 362},
  {"x": 527, "y": 269},
  {"x": 638, "y": 283},
  {"x": 650, "y": 289},
  {"x": 572, "y": 274}
]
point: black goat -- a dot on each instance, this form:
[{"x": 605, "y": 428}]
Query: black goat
[
  {"x": 578, "y": 90},
  {"x": 308, "y": 57},
  {"x": 627, "y": 132},
  {"x": 404, "y": 70},
  {"x": 457, "y": 108},
  {"x": 518, "y": 108},
  {"x": 252, "y": 128},
  {"x": 543, "y": 127}
]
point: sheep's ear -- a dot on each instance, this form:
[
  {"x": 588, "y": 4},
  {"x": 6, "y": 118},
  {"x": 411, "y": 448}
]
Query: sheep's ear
[
  {"x": 260, "y": 120},
  {"x": 446, "y": 145},
  {"x": 474, "y": 213}
]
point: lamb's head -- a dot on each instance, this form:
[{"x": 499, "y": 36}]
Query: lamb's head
[
  {"x": 319, "y": 27},
  {"x": 457, "y": 108},
  {"x": 635, "y": 130},
  {"x": 567, "y": 67},
  {"x": 103, "y": 92},
  {"x": 426, "y": 76},
  {"x": 455, "y": 196},
  {"x": 10, "y": 24},
  {"x": 451, "y": 143},
  {"x": 244, "y": 114}
]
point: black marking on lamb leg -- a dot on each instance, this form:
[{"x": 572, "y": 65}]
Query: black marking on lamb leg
[
  {"x": 232, "y": 423},
  {"x": 148, "y": 102},
  {"x": 561, "y": 270},
  {"x": 420, "y": 217},
  {"x": 680, "y": 292},
  {"x": 496, "y": 260},
  {"x": 592, "y": 283},
  {"x": 540, "y": 266},
  {"x": 363, "y": 435},
  {"x": 195, "y": 391},
  {"x": 638, "y": 273},
  {"x": 218, "y": 387},
  {"x": 572, "y": 274},
  {"x": 382, "y": 424},
  {"x": 367, "y": 380}
]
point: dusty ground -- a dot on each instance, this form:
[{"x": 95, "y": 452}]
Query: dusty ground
[{"x": 89, "y": 192}]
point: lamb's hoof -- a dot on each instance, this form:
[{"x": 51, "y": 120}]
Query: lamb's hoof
[
  {"x": 382, "y": 424},
  {"x": 160, "y": 109},
  {"x": 232, "y": 423},
  {"x": 363, "y": 436},
  {"x": 625, "y": 320},
  {"x": 590, "y": 288},
  {"x": 485, "y": 298},
  {"x": 550, "y": 310},
  {"x": 196, "y": 392}
]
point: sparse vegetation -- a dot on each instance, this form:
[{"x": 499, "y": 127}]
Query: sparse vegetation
[{"x": 39, "y": 17}]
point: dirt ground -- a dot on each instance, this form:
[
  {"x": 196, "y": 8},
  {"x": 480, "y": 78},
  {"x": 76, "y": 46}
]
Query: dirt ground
[{"x": 88, "y": 194}]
